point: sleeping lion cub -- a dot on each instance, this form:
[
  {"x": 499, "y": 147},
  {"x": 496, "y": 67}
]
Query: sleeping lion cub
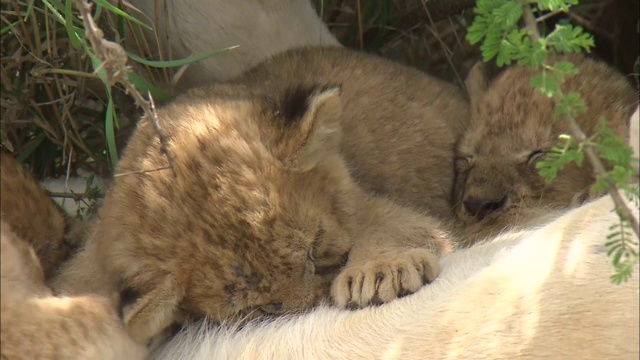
[
  {"x": 511, "y": 129},
  {"x": 267, "y": 210}
]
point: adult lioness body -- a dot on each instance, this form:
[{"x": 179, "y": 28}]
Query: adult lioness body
[{"x": 256, "y": 28}]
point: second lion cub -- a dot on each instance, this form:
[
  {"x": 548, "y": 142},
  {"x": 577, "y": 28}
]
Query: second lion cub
[
  {"x": 265, "y": 210},
  {"x": 512, "y": 128}
]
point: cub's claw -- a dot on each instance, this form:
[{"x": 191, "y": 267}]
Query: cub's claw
[{"x": 380, "y": 281}]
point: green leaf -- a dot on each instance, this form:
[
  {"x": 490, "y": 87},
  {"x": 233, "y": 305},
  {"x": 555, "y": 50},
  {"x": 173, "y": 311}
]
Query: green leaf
[
  {"x": 546, "y": 82},
  {"x": 554, "y": 5},
  {"x": 534, "y": 54},
  {"x": 76, "y": 42},
  {"x": 159, "y": 95},
  {"x": 508, "y": 14},
  {"x": 491, "y": 44},
  {"x": 54, "y": 11},
  {"x": 486, "y": 7},
  {"x": 569, "y": 105},
  {"x": 111, "y": 120},
  {"x": 611, "y": 147},
  {"x": 565, "y": 68},
  {"x": 569, "y": 39},
  {"x": 9, "y": 27},
  {"x": 513, "y": 47},
  {"x": 179, "y": 62},
  {"x": 477, "y": 30},
  {"x": 109, "y": 132},
  {"x": 114, "y": 9},
  {"x": 29, "y": 9}
]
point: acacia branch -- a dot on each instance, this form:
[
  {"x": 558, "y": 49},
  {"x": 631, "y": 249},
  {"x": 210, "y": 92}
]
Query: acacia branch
[
  {"x": 599, "y": 170},
  {"x": 114, "y": 61}
]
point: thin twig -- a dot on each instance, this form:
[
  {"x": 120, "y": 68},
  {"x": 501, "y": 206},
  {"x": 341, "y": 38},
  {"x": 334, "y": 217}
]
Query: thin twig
[
  {"x": 591, "y": 153},
  {"x": 447, "y": 52},
  {"x": 114, "y": 61},
  {"x": 550, "y": 15},
  {"x": 141, "y": 171},
  {"x": 164, "y": 143},
  {"x": 360, "y": 31},
  {"x": 68, "y": 195},
  {"x": 530, "y": 23}
]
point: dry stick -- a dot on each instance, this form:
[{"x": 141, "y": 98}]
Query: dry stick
[
  {"x": 164, "y": 143},
  {"x": 577, "y": 133},
  {"x": 114, "y": 61},
  {"x": 141, "y": 171},
  {"x": 68, "y": 195},
  {"x": 444, "y": 47}
]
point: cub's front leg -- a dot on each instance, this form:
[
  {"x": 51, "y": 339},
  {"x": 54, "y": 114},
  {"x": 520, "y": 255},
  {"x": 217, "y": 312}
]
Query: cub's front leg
[{"x": 395, "y": 254}]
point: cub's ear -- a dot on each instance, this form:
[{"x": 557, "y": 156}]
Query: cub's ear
[
  {"x": 311, "y": 130},
  {"x": 149, "y": 315},
  {"x": 479, "y": 79},
  {"x": 476, "y": 83}
]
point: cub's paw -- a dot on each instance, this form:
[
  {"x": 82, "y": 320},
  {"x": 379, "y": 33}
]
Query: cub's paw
[{"x": 380, "y": 281}]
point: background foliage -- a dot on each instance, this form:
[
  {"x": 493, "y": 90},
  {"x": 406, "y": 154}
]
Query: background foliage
[{"x": 58, "y": 117}]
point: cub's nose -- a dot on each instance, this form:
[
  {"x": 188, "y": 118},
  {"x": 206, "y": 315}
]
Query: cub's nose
[{"x": 483, "y": 207}]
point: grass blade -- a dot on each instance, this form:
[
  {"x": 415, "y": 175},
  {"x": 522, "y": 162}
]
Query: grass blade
[
  {"x": 179, "y": 62},
  {"x": 114, "y": 9}
]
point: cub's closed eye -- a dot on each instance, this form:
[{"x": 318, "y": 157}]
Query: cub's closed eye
[
  {"x": 463, "y": 162},
  {"x": 535, "y": 156}
]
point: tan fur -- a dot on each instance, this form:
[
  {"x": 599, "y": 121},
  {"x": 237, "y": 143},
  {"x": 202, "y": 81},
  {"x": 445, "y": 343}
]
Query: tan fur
[
  {"x": 37, "y": 325},
  {"x": 543, "y": 293},
  {"x": 400, "y": 126},
  {"x": 34, "y": 216},
  {"x": 538, "y": 294},
  {"x": 498, "y": 184},
  {"x": 262, "y": 211},
  {"x": 193, "y": 27},
  {"x": 21, "y": 272}
]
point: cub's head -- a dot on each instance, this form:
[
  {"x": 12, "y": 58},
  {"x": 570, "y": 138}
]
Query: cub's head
[
  {"x": 254, "y": 219},
  {"x": 512, "y": 129}
]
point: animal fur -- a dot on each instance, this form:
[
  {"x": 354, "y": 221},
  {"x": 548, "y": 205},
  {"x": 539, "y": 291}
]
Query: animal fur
[
  {"x": 539, "y": 294},
  {"x": 35, "y": 324},
  {"x": 34, "y": 217},
  {"x": 542, "y": 293},
  {"x": 192, "y": 27},
  {"x": 512, "y": 128},
  {"x": 261, "y": 211}
]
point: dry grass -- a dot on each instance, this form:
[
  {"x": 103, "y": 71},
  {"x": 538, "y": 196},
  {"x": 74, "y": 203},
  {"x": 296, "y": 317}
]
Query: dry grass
[{"x": 53, "y": 107}]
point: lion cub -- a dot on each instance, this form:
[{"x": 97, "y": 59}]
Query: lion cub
[
  {"x": 35, "y": 324},
  {"x": 511, "y": 129},
  {"x": 266, "y": 210},
  {"x": 35, "y": 217}
]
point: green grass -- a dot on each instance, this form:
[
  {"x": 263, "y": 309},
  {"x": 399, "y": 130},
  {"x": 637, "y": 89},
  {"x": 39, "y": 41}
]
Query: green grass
[{"x": 55, "y": 108}]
